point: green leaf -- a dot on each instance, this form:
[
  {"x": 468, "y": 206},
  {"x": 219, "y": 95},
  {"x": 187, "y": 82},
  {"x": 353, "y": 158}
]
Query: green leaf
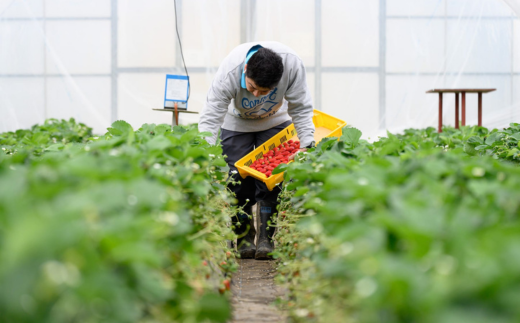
[
  {"x": 120, "y": 128},
  {"x": 147, "y": 128},
  {"x": 512, "y": 152},
  {"x": 475, "y": 140},
  {"x": 482, "y": 147},
  {"x": 159, "y": 143},
  {"x": 469, "y": 149},
  {"x": 195, "y": 152},
  {"x": 391, "y": 147},
  {"x": 55, "y": 147},
  {"x": 493, "y": 137},
  {"x": 214, "y": 308},
  {"x": 516, "y": 135},
  {"x": 220, "y": 162},
  {"x": 162, "y": 129},
  {"x": 301, "y": 191},
  {"x": 206, "y": 134},
  {"x": 351, "y": 135},
  {"x": 280, "y": 169},
  {"x": 326, "y": 143}
]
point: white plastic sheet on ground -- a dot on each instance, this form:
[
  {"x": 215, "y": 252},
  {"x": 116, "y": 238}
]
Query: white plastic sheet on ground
[{"x": 369, "y": 62}]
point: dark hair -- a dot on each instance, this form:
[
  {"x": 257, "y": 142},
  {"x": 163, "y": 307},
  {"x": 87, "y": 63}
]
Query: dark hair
[{"x": 265, "y": 68}]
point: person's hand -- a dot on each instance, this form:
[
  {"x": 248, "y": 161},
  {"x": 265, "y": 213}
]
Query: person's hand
[{"x": 291, "y": 157}]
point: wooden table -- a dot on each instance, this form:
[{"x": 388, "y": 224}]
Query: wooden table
[
  {"x": 463, "y": 95},
  {"x": 175, "y": 115}
]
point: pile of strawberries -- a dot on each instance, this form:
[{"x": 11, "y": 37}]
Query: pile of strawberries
[{"x": 275, "y": 157}]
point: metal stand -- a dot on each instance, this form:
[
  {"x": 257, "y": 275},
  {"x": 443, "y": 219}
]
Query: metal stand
[{"x": 175, "y": 114}]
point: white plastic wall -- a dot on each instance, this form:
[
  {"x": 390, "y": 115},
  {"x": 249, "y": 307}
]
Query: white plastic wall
[{"x": 369, "y": 62}]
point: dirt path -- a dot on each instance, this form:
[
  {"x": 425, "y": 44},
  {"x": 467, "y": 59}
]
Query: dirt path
[{"x": 254, "y": 291}]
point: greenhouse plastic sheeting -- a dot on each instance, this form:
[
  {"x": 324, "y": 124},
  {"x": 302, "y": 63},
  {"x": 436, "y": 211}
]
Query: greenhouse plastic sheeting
[{"x": 369, "y": 62}]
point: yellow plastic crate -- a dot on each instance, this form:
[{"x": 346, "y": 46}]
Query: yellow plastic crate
[{"x": 326, "y": 126}]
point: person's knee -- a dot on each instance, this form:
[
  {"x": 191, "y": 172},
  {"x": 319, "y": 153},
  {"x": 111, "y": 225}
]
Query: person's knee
[{"x": 243, "y": 189}]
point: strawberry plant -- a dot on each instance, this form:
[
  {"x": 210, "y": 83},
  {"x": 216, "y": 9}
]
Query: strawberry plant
[
  {"x": 411, "y": 228},
  {"x": 40, "y": 137},
  {"x": 504, "y": 144},
  {"x": 130, "y": 226}
]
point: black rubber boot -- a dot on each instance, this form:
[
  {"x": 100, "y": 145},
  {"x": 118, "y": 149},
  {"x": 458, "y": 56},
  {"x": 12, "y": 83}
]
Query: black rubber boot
[
  {"x": 245, "y": 229},
  {"x": 264, "y": 216}
]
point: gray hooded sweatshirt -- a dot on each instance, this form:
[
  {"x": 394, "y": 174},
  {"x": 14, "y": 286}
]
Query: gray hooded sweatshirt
[{"x": 234, "y": 108}]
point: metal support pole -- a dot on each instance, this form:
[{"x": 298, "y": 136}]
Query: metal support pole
[
  {"x": 176, "y": 114},
  {"x": 480, "y": 109},
  {"x": 247, "y": 20},
  {"x": 463, "y": 108},
  {"x": 243, "y": 21},
  {"x": 382, "y": 64},
  {"x": 440, "y": 112},
  {"x": 456, "y": 111},
  {"x": 317, "y": 54},
  {"x": 113, "y": 63},
  {"x": 45, "y": 110},
  {"x": 513, "y": 15}
]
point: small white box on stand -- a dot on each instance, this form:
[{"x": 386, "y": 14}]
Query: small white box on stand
[{"x": 176, "y": 91}]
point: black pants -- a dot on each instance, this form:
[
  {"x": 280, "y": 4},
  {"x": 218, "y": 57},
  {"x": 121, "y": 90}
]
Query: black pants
[{"x": 238, "y": 144}]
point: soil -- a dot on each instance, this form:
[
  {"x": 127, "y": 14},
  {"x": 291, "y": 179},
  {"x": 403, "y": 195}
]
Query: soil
[{"x": 254, "y": 291}]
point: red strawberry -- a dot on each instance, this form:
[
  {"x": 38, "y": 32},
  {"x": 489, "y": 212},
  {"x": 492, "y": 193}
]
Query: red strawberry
[{"x": 227, "y": 284}]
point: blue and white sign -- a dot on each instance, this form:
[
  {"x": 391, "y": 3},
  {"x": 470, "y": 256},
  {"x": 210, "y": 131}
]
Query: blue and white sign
[{"x": 176, "y": 90}]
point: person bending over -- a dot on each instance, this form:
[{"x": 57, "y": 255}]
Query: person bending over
[{"x": 259, "y": 89}]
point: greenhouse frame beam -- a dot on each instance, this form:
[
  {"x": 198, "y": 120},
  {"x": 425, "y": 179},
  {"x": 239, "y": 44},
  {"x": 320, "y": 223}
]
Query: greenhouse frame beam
[
  {"x": 317, "y": 54},
  {"x": 45, "y": 88},
  {"x": 512, "y": 72},
  {"x": 247, "y": 20},
  {"x": 309, "y": 69},
  {"x": 204, "y": 70},
  {"x": 452, "y": 17},
  {"x": 382, "y": 64},
  {"x": 43, "y": 75},
  {"x": 344, "y": 69},
  {"x": 172, "y": 69},
  {"x": 113, "y": 62},
  {"x": 451, "y": 74},
  {"x": 55, "y": 18}
]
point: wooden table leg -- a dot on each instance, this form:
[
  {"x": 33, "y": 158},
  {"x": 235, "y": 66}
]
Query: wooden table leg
[
  {"x": 456, "y": 111},
  {"x": 463, "y": 108},
  {"x": 480, "y": 109},
  {"x": 440, "y": 112}
]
